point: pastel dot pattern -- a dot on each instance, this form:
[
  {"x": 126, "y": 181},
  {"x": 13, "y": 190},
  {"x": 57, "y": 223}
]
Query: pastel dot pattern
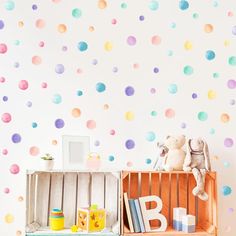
[{"x": 82, "y": 71}]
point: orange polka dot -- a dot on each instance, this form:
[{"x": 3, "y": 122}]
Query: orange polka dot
[
  {"x": 208, "y": 28},
  {"x": 225, "y": 118},
  {"x": 76, "y": 112}
]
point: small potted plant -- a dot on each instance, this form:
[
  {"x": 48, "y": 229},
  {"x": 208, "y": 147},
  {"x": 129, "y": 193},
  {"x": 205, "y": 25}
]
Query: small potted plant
[{"x": 47, "y": 162}]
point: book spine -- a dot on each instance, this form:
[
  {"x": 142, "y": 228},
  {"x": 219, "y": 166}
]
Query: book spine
[
  {"x": 134, "y": 216},
  {"x": 139, "y": 213},
  {"x": 131, "y": 227}
]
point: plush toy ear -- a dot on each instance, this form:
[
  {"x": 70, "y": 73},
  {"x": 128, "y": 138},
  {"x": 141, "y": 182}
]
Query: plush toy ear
[
  {"x": 207, "y": 156},
  {"x": 188, "y": 160}
]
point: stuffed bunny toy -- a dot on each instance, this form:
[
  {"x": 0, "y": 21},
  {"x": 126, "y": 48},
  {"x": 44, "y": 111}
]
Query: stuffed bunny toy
[
  {"x": 198, "y": 161},
  {"x": 161, "y": 159}
]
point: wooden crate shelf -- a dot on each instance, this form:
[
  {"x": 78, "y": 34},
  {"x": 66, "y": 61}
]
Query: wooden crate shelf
[{"x": 175, "y": 190}]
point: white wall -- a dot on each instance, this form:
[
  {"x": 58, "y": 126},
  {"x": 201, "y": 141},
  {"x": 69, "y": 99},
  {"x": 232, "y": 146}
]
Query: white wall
[{"x": 108, "y": 109}]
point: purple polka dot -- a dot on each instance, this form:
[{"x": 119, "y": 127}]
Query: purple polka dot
[
  {"x": 129, "y": 91},
  {"x": 228, "y": 142},
  {"x": 16, "y": 138},
  {"x": 34, "y": 7},
  {"x": 194, "y": 95},
  {"x": 234, "y": 30},
  {"x": 130, "y": 144},
  {"x": 131, "y": 40},
  {"x": 153, "y": 90},
  {"x": 64, "y": 48},
  {"x": 183, "y": 125},
  {"x": 115, "y": 69},
  {"x": 59, "y": 69},
  {"x": 1, "y": 24},
  {"x": 94, "y": 61},
  {"x": 59, "y": 123},
  {"x": 29, "y": 104},
  {"x": 231, "y": 84},
  {"x": 97, "y": 143},
  {"x": 155, "y": 70},
  {"x": 5, "y": 98},
  {"x": 141, "y": 18}
]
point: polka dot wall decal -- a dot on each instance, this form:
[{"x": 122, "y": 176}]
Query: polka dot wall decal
[
  {"x": 34, "y": 7},
  {"x": 6, "y": 117},
  {"x": 57, "y": 99},
  {"x": 95, "y": 62},
  {"x": 9, "y": 218},
  {"x": 41, "y": 44},
  {"x": 188, "y": 45},
  {"x": 152, "y": 90},
  {"x": 14, "y": 169},
  {"x": 155, "y": 70},
  {"x": 54, "y": 142},
  {"x": 131, "y": 40},
  {"x": 76, "y": 13},
  {"x": 34, "y": 125},
  {"x": 21, "y": 24},
  {"x": 129, "y": 164},
  {"x": 36, "y": 60},
  {"x": 2, "y": 79},
  {"x": 18, "y": 233},
  {"x": 212, "y": 131},
  {"x": 148, "y": 161},
  {"x": 231, "y": 84},
  {"x": 216, "y": 75},
  {"x": 150, "y": 136},
  {"x": 234, "y": 30},
  {"x": 210, "y": 55},
  {"x": 17, "y": 42},
  {"x": 108, "y": 46},
  {"x": 4, "y": 151},
  {"x": 208, "y": 28},
  {"x": 5, "y": 98},
  {"x": 29, "y": 104},
  {"x": 130, "y": 144},
  {"x": 56, "y": 1},
  {"x": 16, "y": 138},
  {"x": 102, "y": 4},
  {"x": 153, "y": 5},
  {"x": 141, "y": 18},
  {"x": 129, "y": 91},
  {"x": 20, "y": 199},
  {"x": 82, "y": 46},
  {"x": 228, "y": 142},
  {"x": 44, "y": 85},
  {"x": 76, "y": 112},
  {"x": 40, "y": 23},
  {"x": 59, "y": 123},
  {"x": 230, "y": 14},
  {"x": 169, "y": 113},
  {"x": 188, "y": 70},
  {"x": 106, "y": 107},
  {"x": 91, "y": 28},
  {"x": 34, "y": 151},
  {"x": 100, "y": 87},
  {"x": 16, "y": 64},
  {"x": 1, "y": 24},
  {"x": 183, "y": 125},
  {"x": 9, "y": 5},
  {"x": 129, "y": 115},
  {"x": 232, "y": 61},
  {"x": 96, "y": 143},
  {"x": 61, "y": 28},
  {"x": 111, "y": 158},
  {"x": 59, "y": 69},
  {"x": 79, "y": 93},
  {"x": 114, "y": 21},
  {"x": 91, "y": 124},
  {"x": 172, "y": 88},
  {"x": 156, "y": 40},
  {"x": 64, "y": 48},
  {"x": 225, "y": 118},
  {"x": 226, "y": 164},
  {"x": 226, "y": 190},
  {"x": 112, "y": 132},
  {"x": 183, "y": 5},
  {"x": 202, "y": 116},
  {"x": 123, "y": 5},
  {"x": 3, "y": 48},
  {"x": 195, "y": 16},
  {"x": 6, "y": 190},
  {"x": 211, "y": 94},
  {"x": 153, "y": 113},
  {"x": 115, "y": 69}
]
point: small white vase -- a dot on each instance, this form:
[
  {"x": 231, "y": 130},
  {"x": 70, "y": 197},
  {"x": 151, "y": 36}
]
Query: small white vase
[{"x": 47, "y": 165}]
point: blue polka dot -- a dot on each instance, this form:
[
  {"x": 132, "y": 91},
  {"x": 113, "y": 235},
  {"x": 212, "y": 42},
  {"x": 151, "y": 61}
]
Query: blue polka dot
[
  {"x": 79, "y": 93},
  {"x": 150, "y": 136},
  {"x": 148, "y": 161},
  {"x": 172, "y": 88},
  {"x": 183, "y": 5},
  {"x": 226, "y": 190},
  {"x": 100, "y": 87},
  {"x": 34, "y": 125},
  {"x": 82, "y": 46},
  {"x": 111, "y": 158},
  {"x": 210, "y": 55}
]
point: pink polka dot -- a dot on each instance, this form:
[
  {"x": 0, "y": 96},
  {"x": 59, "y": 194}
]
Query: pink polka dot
[
  {"x": 34, "y": 151},
  {"x": 6, "y": 117},
  {"x": 135, "y": 65},
  {"x": 14, "y": 169},
  {"x": 23, "y": 84},
  {"x": 112, "y": 132},
  {"x": 79, "y": 71},
  {"x": 41, "y": 44},
  {"x": 2, "y": 79},
  {"x": 129, "y": 164},
  {"x": 40, "y": 23},
  {"x": 44, "y": 85},
  {"x": 3, "y": 48},
  {"x": 156, "y": 40},
  {"x": 4, "y": 151},
  {"x": 170, "y": 113},
  {"x": 56, "y": 1},
  {"x": 6, "y": 190},
  {"x": 113, "y": 21},
  {"x": 36, "y": 60},
  {"x": 91, "y": 124},
  {"x": 230, "y": 13}
]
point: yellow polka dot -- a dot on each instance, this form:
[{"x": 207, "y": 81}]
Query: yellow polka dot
[
  {"x": 20, "y": 24},
  {"x": 225, "y": 118},
  {"x": 129, "y": 115},
  {"x": 211, "y": 94},
  {"x": 9, "y": 218},
  {"x": 188, "y": 45},
  {"x": 108, "y": 46},
  {"x": 226, "y": 43}
]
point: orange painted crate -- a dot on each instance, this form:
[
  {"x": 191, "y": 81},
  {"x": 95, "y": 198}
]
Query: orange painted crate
[{"x": 175, "y": 190}]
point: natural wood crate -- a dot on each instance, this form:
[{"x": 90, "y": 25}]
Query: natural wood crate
[
  {"x": 70, "y": 190},
  {"x": 175, "y": 190}
]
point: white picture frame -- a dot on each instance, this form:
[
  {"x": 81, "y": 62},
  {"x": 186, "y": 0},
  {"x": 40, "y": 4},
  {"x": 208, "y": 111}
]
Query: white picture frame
[{"x": 75, "y": 151}]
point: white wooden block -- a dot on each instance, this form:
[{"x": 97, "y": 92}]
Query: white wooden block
[
  {"x": 152, "y": 214},
  {"x": 188, "y": 220},
  {"x": 97, "y": 189},
  {"x": 178, "y": 213}
]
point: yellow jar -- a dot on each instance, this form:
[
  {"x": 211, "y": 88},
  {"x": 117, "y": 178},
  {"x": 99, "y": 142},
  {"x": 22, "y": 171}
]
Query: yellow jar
[{"x": 56, "y": 223}]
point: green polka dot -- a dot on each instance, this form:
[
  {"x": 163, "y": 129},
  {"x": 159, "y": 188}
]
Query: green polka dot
[
  {"x": 153, "y": 113},
  {"x": 232, "y": 61},
  {"x": 216, "y": 75},
  {"x": 212, "y": 131},
  {"x": 123, "y": 5},
  {"x": 188, "y": 70},
  {"x": 202, "y": 116},
  {"x": 17, "y": 42},
  {"x": 195, "y": 16},
  {"x": 76, "y": 13}
]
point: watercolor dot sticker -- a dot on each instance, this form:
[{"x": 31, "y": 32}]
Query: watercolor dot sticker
[
  {"x": 150, "y": 136},
  {"x": 16, "y": 138},
  {"x": 95, "y": 62},
  {"x": 4, "y": 151},
  {"x": 6, "y": 190},
  {"x": 44, "y": 85},
  {"x": 57, "y": 99},
  {"x": 9, "y": 218},
  {"x": 228, "y": 142},
  {"x": 115, "y": 69},
  {"x": 226, "y": 190},
  {"x": 3, "y": 48},
  {"x": 29, "y": 104},
  {"x": 202, "y": 116},
  {"x": 216, "y": 75},
  {"x": 148, "y": 161},
  {"x": 195, "y": 15},
  {"x": 76, "y": 112},
  {"x": 169, "y": 113},
  {"x": 16, "y": 64},
  {"x": 108, "y": 46},
  {"x": 36, "y": 60},
  {"x": 79, "y": 93},
  {"x": 76, "y": 13},
  {"x": 61, "y": 28},
  {"x": 23, "y": 84},
  {"x": 34, "y": 125},
  {"x": 41, "y": 44},
  {"x": 82, "y": 46},
  {"x": 34, "y": 151},
  {"x": 210, "y": 55},
  {"x": 231, "y": 84},
  {"x": 183, "y": 125},
  {"x": 59, "y": 123},
  {"x": 153, "y": 5},
  {"x": 14, "y": 169},
  {"x": 1, "y": 24},
  {"x": 40, "y": 23},
  {"x": 141, "y": 18},
  {"x": 131, "y": 40},
  {"x": 106, "y": 107},
  {"x": 226, "y": 164},
  {"x": 232, "y": 102},
  {"x": 208, "y": 28},
  {"x": 153, "y": 113},
  {"x": 129, "y": 91},
  {"x": 113, "y": 21},
  {"x": 156, "y": 40},
  {"x": 129, "y": 164},
  {"x": 123, "y": 5},
  {"x": 155, "y": 70},
  {"x": 96, "y": 143},
  {"x": 188, "y": 70},
  {"x": 129, "y": 115},
  {"x": 6, "y": 117},
  {"x": 225, "y": 118},
  {"x": 59, "y": 69},
  {"x": 34, "y": 7},
  {"x": 130, "y": 144},
  {"x": 20, "y": 199},
  {"x": 91, "y": 124},
  {"x": 183, "y": 5},
  {"x": 173, "y": 88},
  {"x": 234, "y": 30},
  {"x": 231, "y": 210},
  {"x": 2, "y": 79},
  {"x": 232, "y": 61},
  {"x": 9, "y": 5},
  {"x": 5, "y": 98},
  {"x": 211, "y": 94},
  {"x": 111, "y": 158},
  {"x": 188, "y": 45},
  {"x": 112, "y": 132},
  {"x": 102, "y": 4},
  {"x": 100, "y": 87}
]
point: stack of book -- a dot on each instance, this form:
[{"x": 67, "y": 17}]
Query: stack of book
[{"x": 134, "y": 214}]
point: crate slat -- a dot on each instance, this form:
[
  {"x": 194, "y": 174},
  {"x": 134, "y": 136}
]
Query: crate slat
[
  {"x": 173, "y": 196},
  {"x": 191, "y": 197},
  {"x": 183, "y": 193},
  {"x": 30, "y": 199},
  {"x": 83, "y": 190},
  {"x": 97, "y": 189}
]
